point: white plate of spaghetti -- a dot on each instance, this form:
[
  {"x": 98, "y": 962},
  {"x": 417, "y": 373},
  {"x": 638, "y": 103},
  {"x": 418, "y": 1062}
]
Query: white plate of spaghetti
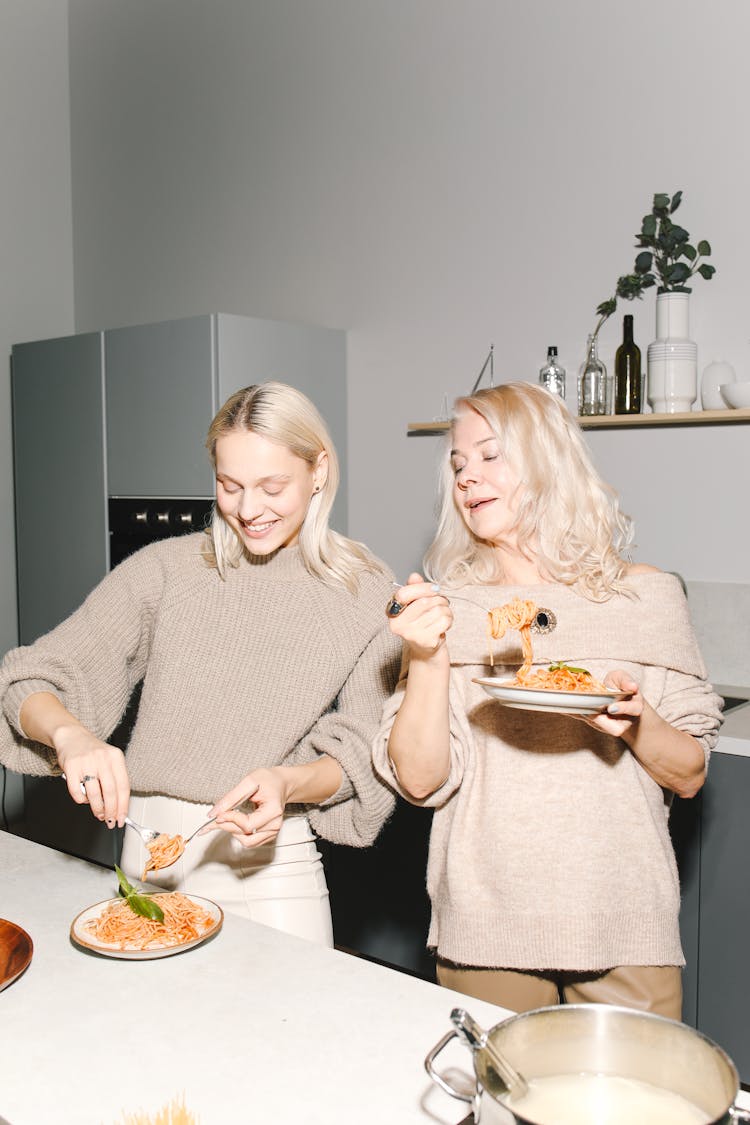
[
  {"x": 112, "y": 929},
  {"x": 578, "y": 702}
]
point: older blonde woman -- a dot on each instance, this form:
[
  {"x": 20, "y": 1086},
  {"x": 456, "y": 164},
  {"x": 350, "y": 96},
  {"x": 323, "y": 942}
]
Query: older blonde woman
[
  {"x": 551, "y": 873},
  {"x": 265, "y": 661}
]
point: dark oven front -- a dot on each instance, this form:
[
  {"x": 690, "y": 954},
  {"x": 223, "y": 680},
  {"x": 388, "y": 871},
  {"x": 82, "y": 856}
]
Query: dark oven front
[{"x": 135, "y": 521}]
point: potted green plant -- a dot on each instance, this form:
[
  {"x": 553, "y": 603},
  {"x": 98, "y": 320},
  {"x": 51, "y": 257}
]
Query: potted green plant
[{"x": 667, "y": 258}]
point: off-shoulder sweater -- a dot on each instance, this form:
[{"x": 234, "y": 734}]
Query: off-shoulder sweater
[
  {"x": 268, "y": 666},
  {"x": 550, "y": 846}
]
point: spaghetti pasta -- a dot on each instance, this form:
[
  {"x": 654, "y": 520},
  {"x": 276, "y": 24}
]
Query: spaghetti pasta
[
  {"x": 163, "y": 851},
  {"x": 120, "y": 926},
  {"x": 520, "y": 614},
  {"x": 516, "y": 614}
]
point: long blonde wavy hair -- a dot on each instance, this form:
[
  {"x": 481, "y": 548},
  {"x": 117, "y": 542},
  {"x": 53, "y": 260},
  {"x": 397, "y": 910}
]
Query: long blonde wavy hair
[
  {"x": 284, "y": 415},
  {"x": 569, "y": 520}
]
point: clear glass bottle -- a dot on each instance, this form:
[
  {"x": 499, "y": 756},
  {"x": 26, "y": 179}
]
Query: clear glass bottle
[
  {"x": 628, "y": 379},
  {"x": 592, "y": 383},
  {"x": 552, "y": 375}
]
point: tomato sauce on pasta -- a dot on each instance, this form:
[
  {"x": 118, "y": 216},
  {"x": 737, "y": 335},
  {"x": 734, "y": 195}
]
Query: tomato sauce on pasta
[{"x": 119, "y": 925}]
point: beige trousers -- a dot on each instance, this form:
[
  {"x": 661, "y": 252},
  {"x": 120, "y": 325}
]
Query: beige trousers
[{"x": 649, "y": 988}]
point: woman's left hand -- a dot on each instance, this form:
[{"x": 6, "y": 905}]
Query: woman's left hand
[
  {"x": 622, "y": 715},
  {"x": 268, "y": 791},
  {"x": 672, "y": 757}
]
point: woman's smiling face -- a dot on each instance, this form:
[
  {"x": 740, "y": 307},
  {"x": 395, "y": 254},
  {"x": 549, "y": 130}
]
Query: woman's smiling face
[
  {"x": 263, "y": 490},
  {"x": 486, "y": 488}
]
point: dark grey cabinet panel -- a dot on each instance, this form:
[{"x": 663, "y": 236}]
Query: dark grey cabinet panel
[
  {"x": 60, "y": 491},
  {"x": 685, "y": 829},
  {"x": 724, "y": 970},
  {"x": 160, "y": 394}
]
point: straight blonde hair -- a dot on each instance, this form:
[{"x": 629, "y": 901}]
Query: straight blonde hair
[
  {"x": 284, "y": 415},
  {"x": 569, "y": 520}
]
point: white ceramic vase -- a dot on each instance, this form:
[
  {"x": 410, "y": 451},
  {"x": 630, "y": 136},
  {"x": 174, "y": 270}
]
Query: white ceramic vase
[{"x": 673, "y": 357}]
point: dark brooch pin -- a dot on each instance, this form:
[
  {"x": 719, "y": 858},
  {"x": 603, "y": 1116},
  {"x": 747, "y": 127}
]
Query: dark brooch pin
[{"x": 544, "y": 622}]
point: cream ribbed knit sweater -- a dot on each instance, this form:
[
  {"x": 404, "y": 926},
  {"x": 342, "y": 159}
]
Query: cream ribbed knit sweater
[
  {"x": 267, "y": 667},
  {"x": 550, "y": 847}
]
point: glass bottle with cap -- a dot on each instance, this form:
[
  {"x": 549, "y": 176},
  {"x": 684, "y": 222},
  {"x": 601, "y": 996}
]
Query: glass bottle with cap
[
  {"x": 552, "y": 375},
  {"x": 592, "y": 383}
]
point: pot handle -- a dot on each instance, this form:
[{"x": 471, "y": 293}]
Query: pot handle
[{"x": 438, "y": 1078}]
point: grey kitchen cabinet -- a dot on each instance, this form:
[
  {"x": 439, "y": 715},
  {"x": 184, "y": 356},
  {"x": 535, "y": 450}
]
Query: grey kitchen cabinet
[
  {"x": 60, "y": 477},
  {"x": 165, "y": 381},
  {"x": 124, "y": 413},
  {"x": 712, "y": 840},
  {"x": 723, "y": 967},
  {"x": 161, "y": 395}
]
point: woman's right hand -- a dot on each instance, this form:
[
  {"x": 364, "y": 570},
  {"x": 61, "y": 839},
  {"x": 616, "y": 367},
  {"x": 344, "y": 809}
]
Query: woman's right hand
[
  {"x": 425, "y": 619},
  {"x": 80, "y": 754},
  {"x": 95, "y": 773}
]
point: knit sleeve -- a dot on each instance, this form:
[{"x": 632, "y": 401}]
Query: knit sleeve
[
  {"x": 461, "y": 742},
  {"x": 357, "y": 811},
  {"x": 91, "y": 661}
]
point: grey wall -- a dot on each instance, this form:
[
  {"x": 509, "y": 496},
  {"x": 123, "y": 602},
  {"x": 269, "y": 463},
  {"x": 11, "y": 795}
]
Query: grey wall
[{"x": 36, "y": 277}]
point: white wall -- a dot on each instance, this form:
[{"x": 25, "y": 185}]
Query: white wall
[
  {"x": 36, "y": 275},
  {"x": 432, "y": 176}
]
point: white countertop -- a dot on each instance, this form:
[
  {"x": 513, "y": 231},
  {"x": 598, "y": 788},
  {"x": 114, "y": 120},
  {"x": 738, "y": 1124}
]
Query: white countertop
[
  {"x": 734, "y": 737},
  {"x": 255, "y": 1026}
]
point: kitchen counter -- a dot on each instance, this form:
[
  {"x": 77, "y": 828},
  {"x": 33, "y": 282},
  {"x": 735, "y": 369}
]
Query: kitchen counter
[
  {"x": 734, "y": 737},
  {"x": 253, "y": 1026}
]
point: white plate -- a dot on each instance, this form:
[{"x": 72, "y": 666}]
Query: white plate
[
  {"x": 562, "y": 702},
  {"x": 81, "y": 936}
]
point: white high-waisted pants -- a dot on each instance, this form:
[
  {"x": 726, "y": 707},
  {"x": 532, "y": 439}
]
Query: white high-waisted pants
[{"x": 281, "y": 884}]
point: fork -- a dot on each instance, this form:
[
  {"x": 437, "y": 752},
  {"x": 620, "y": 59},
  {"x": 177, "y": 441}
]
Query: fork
[{"x": 150, "y": 834}]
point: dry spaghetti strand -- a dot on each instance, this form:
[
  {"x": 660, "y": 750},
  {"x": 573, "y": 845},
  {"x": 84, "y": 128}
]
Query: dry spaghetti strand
[
  {"x": 516, "y": 614},
  {"x": 176, "y": 1113},
  {"x": 184, "y": 920},
  {"x": 163, "y": 851}
]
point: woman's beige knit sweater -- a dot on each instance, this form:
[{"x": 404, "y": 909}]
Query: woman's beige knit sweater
[
  {"x": 267, "y": 667},
  {"x": 550, "y": 847}
]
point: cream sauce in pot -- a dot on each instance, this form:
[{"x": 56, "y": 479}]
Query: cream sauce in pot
[{"x": 600, "y": 1099}]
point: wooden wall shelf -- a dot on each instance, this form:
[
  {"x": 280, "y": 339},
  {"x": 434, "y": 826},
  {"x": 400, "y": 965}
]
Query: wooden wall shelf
[{"x": 618, "y": 421}]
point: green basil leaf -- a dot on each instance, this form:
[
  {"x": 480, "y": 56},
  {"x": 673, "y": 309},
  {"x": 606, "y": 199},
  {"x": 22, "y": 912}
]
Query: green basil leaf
[
  {"x": 560, "y": 666},
  {"x": 146, "y": 907},
  {"x": 126, "y": 888}
]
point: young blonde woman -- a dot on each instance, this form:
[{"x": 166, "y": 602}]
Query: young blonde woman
[
  {"x": 265, "y": 661},
  {"x": 551, "y": 873}
]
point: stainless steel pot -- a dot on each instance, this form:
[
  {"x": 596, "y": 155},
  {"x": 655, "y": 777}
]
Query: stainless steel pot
[{"x": 600, "y": 1039}]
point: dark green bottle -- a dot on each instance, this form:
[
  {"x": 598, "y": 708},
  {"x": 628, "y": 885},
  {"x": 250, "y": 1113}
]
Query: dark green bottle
[{"x": 628, "y": 378}]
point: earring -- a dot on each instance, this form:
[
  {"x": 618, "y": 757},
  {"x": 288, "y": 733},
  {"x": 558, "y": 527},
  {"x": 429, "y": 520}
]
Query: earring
[{"x": 316, "y": 489}]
